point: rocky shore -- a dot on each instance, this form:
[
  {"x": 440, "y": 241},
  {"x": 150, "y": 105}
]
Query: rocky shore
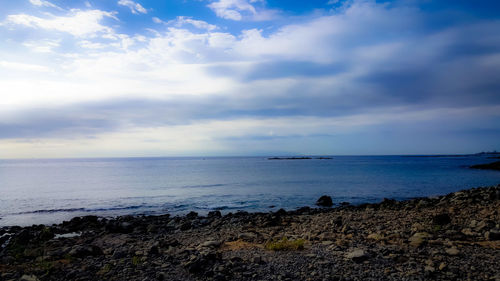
[{"x": 452, "y": 237}]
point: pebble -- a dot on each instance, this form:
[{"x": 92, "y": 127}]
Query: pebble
[
  {"x": 453, "y": 251},
  {"x": 247, "y": 236},
  {"x": 419, "y": 238},
  {"x": 29, "y": 278},
  {"x": 211, "y": 244},
  {"x": 357, "y": 255},
  {"x": 442, "y": 266}
]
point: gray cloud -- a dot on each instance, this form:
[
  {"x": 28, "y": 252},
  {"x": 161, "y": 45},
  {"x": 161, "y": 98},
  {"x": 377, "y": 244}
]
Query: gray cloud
[
  {"x": 278, "y": 69},
  {"x": 375, "y": 66}
]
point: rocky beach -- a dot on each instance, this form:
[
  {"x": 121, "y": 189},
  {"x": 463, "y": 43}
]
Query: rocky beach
[{"x": 451, "y": 237}]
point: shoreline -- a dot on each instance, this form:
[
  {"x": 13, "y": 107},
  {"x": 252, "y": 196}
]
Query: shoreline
[
  {"x": 455, "y": 236},
  {"x": 177, "y": 191}
]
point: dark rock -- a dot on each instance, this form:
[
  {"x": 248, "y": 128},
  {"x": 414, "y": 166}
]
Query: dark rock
[
  {"x": 280, "y": 212},
  {"x": 81, "y": 223},
  {"x": 325, "y": 201},
  {"x": 493, "y": 234},
  {"x": 154, "y": 250},
  {"x": 73, "y": 225},
  {"x": 441, "y": 219},
  {"x": 185, "y": 226},
  {"x": 386, "y": 202},
  {"x": 46, "y": 234},
  {"x": 214, "y": 214},
  {"x": 303, "y": 210},
  {"x": 90, "y": 219},
  {"x": 57, "y": 252},
  {"x": 272, "y": 220},
  {"x": 241, "y": 214},
  {"x": 115, "y": 226},
  {"x": 127, "y": 227},
  {"x": 24, "y": 237},
  {"x": 161, "y": 276},
  {"x": 201, "y": 262},
  {"x": 337, "y": 221},
  {"x": 455, "y": 235},
  {"x": 192, "y": 215},
  {"x": 220, "y": 277},
  {"x": 119, "y": 253},
  {"x": 289, "y": 158},
  {"x": 82, "y": 251}
]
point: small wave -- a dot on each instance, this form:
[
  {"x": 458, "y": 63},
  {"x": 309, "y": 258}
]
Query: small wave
[
  {"x": 117, "y": 208},
  {"x": 89, "y": 210},
  {"x": 178, "y": 206},
  {"x": 204, "y": 185},
  {"x": 243, "y": 202},
  {"x": 148, "y": 197},
  {"x": 50, "y": 211}
]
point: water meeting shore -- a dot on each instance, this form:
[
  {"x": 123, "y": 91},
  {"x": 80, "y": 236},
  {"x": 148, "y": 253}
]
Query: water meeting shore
[{"x": 451, "y": 237}]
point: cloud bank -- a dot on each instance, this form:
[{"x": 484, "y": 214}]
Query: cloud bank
[{"x": 360, "y": 78}]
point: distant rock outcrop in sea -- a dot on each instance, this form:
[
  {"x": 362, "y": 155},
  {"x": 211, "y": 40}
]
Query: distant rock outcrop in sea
[
  {"x": 488, "y": 166},
  {"x": 299, "y": 158}
]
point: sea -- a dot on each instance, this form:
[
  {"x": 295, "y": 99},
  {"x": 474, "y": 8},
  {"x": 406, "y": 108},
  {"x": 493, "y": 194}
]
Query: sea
[{"x": 47, "y": 191}]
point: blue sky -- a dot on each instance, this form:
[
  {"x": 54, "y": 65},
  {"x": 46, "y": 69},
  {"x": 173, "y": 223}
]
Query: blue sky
[{"x": 248, "y": 77}]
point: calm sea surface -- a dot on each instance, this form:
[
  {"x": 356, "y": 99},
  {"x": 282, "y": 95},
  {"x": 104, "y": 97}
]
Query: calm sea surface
[{"x": 50, "y": 191}]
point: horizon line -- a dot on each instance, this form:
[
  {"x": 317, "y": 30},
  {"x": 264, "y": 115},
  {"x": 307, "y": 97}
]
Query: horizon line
[{"x": 253, "y": 156}]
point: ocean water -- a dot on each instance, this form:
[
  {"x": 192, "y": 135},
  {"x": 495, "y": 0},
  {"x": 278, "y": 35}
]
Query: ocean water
[{"x": 50, "y": 191}]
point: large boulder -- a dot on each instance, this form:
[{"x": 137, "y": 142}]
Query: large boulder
[{"x": 325, "y": 201}]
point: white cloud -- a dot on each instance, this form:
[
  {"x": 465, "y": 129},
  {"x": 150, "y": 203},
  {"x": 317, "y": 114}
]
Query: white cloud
[
  {"x": 182, "y": 21},
  {"x": 92, "y": 45},
  {"x": 78, "y": 23},
  {"x": 230, "y": 9},
  {"x": 43, "y": 46},
  {"x": 42, "y": 3},
  {"x": 166, "y": 64},
  {"x": 238, "y": 9},
  {"x": 196, "y": 23},
  {"x": 23, "y": 67},
  {"x": 134, "y": 7}
]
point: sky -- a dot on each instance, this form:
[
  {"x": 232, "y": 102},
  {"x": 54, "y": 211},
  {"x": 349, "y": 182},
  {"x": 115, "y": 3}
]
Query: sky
[{"x": 140, "y": 78}]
